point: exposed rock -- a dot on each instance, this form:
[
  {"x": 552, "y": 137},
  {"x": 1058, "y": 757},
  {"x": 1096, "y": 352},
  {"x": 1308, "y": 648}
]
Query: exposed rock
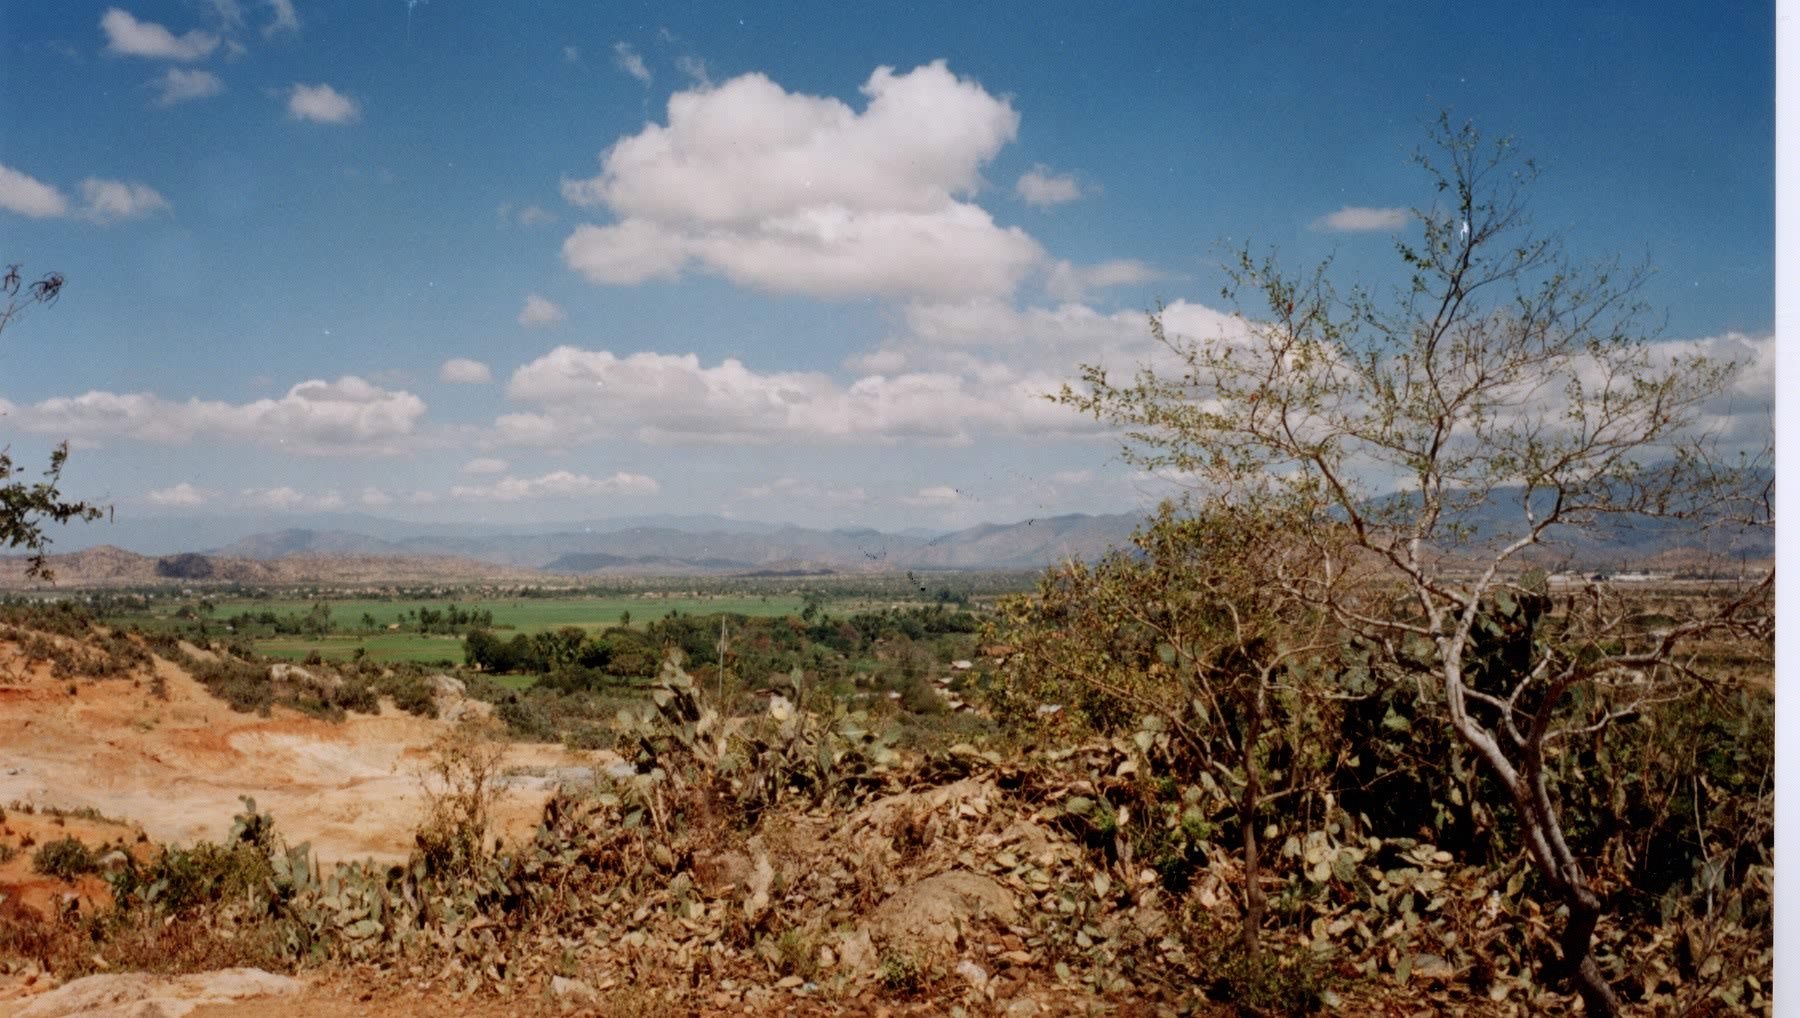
[
  {"x": 445, "y": 685},
  {"x": 572, "y": 990},
  {"x": 323, "y": 683},
  {"x": 928, "y": 917}
]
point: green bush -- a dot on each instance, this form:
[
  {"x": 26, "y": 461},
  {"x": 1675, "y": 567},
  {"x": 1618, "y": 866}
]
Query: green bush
[
  {"x": 243, "y": 685},
  {"x": 65, "y": 858}
]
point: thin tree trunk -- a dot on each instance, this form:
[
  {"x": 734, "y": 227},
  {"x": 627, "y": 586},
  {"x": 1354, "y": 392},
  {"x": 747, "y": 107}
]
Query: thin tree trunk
[{"x": 1255, "y": 901}]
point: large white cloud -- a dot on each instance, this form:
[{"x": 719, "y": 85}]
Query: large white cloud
[
  {"x": 128, "y": 36},
  {"x": 803, "y": 194},
  {"x": 590, "y": 395},
  {"x": 348, "y": 416}
]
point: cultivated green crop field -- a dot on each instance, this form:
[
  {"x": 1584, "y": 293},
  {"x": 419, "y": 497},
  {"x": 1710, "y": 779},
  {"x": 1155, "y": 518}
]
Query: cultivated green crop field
[
  {"x": 523, "y": 615},
  {"x": 528, "y": 615},
  {"x": 380, "y": 647}
]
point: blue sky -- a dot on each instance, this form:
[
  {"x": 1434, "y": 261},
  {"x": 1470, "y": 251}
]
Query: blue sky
[{"x": 529, "y": 261}]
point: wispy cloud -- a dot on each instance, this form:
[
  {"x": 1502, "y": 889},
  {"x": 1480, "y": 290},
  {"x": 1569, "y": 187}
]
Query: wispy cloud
[
  {"x": 559, "y": 484},
  {"x": 628, "y": 60},
  {"x": 1070, "y": 282},
  {"x": 1046, "y": 189},
  {"x": 183, "y": 495},
  {"x": 282, "y": 499},
  {"x": 109, "y": 201},
  {"x": 540, "y": 312},
  {"x": 282, "y": 18},
  {"x": 463, "y": 371},
  {"x": 179, "y": 85},
  {"x": 1360, "y": 219}
]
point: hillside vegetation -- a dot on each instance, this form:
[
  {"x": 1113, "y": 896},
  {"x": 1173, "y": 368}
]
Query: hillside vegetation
[{"x": 1083, "y": 853}]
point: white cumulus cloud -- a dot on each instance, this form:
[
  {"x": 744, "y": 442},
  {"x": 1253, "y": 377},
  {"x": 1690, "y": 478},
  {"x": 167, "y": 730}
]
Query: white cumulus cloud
[
  {"x": 803, "y": 194},
  {"x": 1359, "y": 219},
  {"x": 182, "y": 84},
  {"x": 108, "y": 201},
  {"x": 127, "y": 36},
  {"x": 29, "y": 196},
  {"x": 463, "y": 371},
  {"x": 559, "y": 484},
  {"x": 183, "y": 496},
  {"x": 373, "y": 496},
  {"x": 321, "y": 104},
  {"x": 348, "y": 416},
  {"x": 589, "y": 395},
  {"x": 485, "y": 465},
  {"x": 539, "y": 312},
  {"x": 1046, "y": 189}
]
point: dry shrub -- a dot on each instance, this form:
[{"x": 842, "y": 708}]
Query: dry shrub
[{"x": 461, "y": 787}]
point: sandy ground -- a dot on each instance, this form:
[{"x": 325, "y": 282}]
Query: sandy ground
[{"x": 176, "y": 768}]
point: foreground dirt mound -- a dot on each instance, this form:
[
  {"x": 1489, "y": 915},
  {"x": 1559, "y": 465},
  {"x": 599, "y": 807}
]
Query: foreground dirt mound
[{"x": 176, "y": 767}]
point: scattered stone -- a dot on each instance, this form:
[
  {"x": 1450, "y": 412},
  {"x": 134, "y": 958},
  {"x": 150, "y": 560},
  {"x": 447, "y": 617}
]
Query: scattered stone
[
  {"x": 572, "y": 990},
  {"x": 138, "y": 995}
]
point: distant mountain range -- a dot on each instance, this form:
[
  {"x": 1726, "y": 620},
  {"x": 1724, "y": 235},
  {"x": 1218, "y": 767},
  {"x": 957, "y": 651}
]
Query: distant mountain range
[
  {"x": 354, "y": 548},
  {"x": 682, "y": 549},
  {"x": 343, "y": 550}
]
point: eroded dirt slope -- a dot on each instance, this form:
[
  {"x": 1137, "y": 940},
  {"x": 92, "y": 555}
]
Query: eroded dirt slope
[{"x": 176, "y": 767}]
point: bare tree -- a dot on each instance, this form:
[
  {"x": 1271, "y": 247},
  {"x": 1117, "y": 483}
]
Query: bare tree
[
  {"x": 26, "y": 507},
  {"x": 1436, "y": 435}
]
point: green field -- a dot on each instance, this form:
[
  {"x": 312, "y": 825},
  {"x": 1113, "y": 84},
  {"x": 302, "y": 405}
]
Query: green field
[
  {"x": 380, "y": 647},
  {"x": 522, "y": 615},
  {"x": 526, "y": 615}
]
